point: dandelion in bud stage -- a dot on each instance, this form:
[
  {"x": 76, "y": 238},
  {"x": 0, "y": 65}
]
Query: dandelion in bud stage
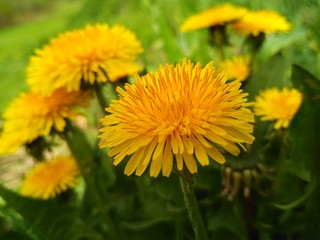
[
  {"x": 214, "y": 16},
  {"x": 277, "y": 105},
  {"x": 177, "y": 116},
  {"x": 95, "y": 54},
  {"x": 32, "y": 115},
  {"x": 237, "y": 67},
  {"x": 263, "y": 21},
  {"x": 50, "y": 178}
]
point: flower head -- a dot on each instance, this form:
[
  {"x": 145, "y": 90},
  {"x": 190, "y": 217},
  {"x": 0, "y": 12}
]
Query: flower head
[
  {"x": 31, "y": 115},
  {"x": 218, "y": 15},
  {"x": 178, "y": 115},
  {"x": 279, "y": 106},
  {"x": 50, "y": 178},
  {"x": 237, "y": 68},
  {"x": 263, "y": 21},
  {"x": 96, "y": 53}
]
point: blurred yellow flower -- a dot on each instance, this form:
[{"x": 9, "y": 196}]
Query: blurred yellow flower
[
  {"x": 96, "y": 53},
  {"x": 263, "y": 21},
  {"x": 278, "y": 105},
  {"x": 218, "y": 15},
  {"x": 31, "y": 115},
  {"x": 177, "y": 116},
  {"x": 236, "y": 68},
  {"x": 50, "y": 178}
]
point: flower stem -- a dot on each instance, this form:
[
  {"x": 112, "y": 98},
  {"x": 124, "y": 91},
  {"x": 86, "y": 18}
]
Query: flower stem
[
  {"x": 82, "y": 151},
  {"x": 219, "y": 40},
  {"x": 101, "y": 98},
  {"x": 191, "y": 204}
]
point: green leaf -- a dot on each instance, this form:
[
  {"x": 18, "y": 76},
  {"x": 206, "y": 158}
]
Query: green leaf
[
  {"x": 49, "y": 219},
  {"x": 149, "y": 218},
  {"x": 305, "y": 137},
  {"x": 17, "y": 222},
  {"x": 209, "y": 177},
  {"x": 158, "y": 230},
  {"x": 228, "y": 218},
  {"x": 144, "y": 224},
  {"x": 273, "y": 73},
  {"x": 275, "y": 43},
  {"x": 168, "y": 188},
  {"x": 302, "y": 130},
  {"x": 294, "y": 203}
]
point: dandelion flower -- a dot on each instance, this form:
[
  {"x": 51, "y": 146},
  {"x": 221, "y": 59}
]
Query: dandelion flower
[
  {"x": 237, "y": 68},
  {"x": 96, "y": 53},
  {"x": 178, "y": 115},
  {"x": 48, "y": 179},
  {"x": 31, "y": 115},
  {"x": 263, "y": 21},
  {"x": 279, "y": 106},
  {"x": 218, "y": 15}
]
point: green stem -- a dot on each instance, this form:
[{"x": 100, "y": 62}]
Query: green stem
[
  {"x": 193, "y": 210},
  {"x": 250, "y": 210},
  {"x": 255, "y": 43},
  {"x": 101, "y": 98},
  {"x": 83, "y": 154},
  {"x": 283, "y": 151},
  {"x": 219, "y": 40},
  {"x": 220, "y": 53}
]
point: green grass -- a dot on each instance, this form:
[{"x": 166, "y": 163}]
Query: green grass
[{"x": 17, "y": 43}]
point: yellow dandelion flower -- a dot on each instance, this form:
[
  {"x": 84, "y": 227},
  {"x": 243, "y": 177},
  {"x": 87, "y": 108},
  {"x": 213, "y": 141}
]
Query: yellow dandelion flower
[
  {"x": 279, "y": 106},
  {"x": 31, "y": 115},
  {"x": 263, "y": 21},
  {"x": 237, "y": 67},
  {"x": 178, "y": 115},
  {"x": 218, "y": 15},
  {"x": 49, "y": 179},
  {"x": 94, "y": 54}
]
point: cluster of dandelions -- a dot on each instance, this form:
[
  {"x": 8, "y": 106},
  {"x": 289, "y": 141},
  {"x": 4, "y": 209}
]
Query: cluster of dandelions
[
  {"x": 169, "y": 120},
  {"x": 240, "y": 19},
  {"x": 273, "y": 104},
  {"x": 254, "y": 25},
  {"x": 61, "y": 77},
  {"x": 238, "y": 62}
]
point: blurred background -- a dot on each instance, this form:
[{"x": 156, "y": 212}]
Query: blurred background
[{"x": 28, "y": 25}]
